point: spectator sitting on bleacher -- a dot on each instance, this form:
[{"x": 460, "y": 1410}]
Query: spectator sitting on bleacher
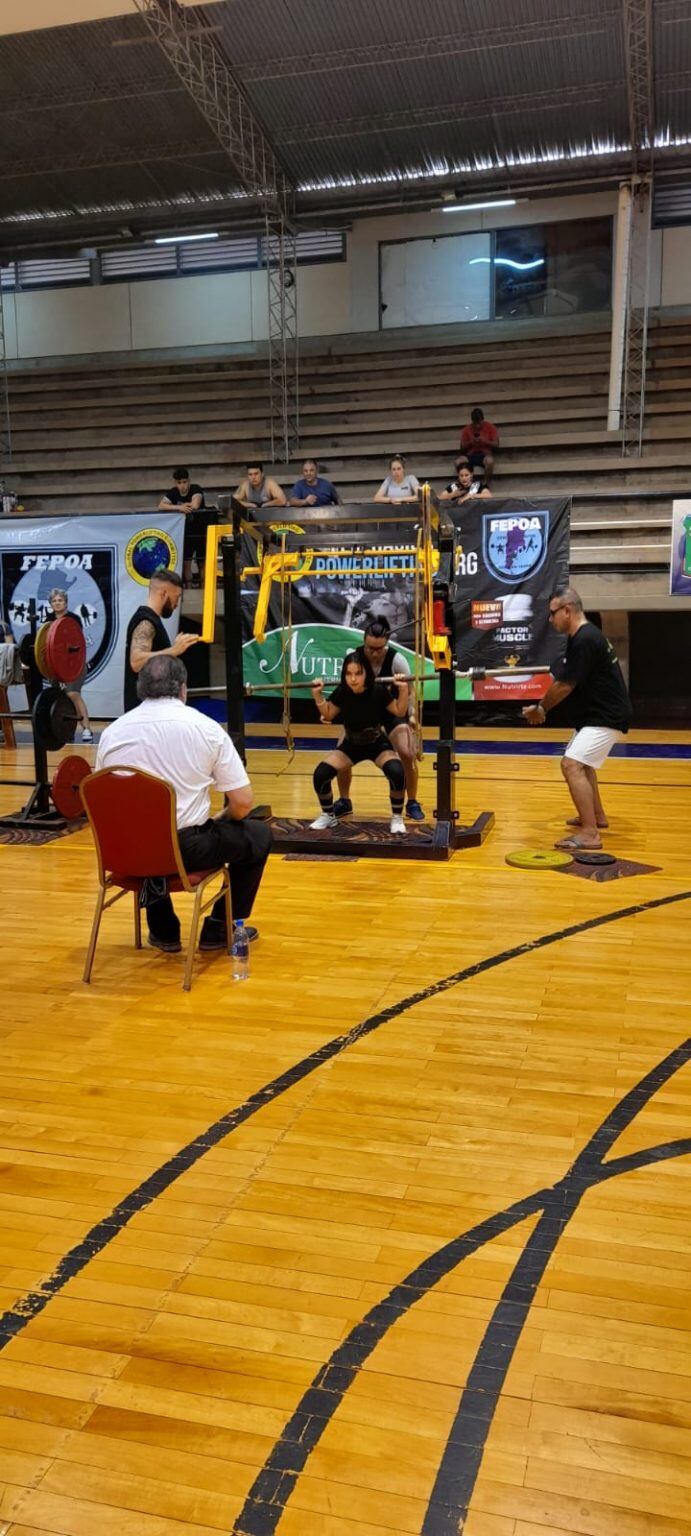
[
  {"x": 465, "y": 486},
  {"x": 479, "y": 441},
  {"x": 260, "y": 490},
  {"x": 398, "y": 485},
  {"x": 188, "y": 498},
  {"x": 311, "y": 491}
]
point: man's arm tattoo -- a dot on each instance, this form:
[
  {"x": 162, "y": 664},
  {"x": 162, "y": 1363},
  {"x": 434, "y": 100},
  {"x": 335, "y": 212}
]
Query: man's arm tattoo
[{"x": 142, "y": 637}]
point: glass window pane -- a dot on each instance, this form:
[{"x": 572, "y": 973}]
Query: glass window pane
[
  {"x": 435, "y": 281},
  {"x": 553, "y": 269}
]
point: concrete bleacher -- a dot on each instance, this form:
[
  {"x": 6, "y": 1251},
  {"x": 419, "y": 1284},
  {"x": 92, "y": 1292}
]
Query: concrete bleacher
[{"x": 97, "y": 436}]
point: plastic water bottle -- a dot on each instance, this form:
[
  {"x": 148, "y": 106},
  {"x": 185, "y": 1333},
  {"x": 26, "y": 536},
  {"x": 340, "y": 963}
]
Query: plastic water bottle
[{"x": 240, "y": 953}]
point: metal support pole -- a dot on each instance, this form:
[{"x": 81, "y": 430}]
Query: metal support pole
[
  {"x": 446, "y": 765},
  {"x": 5, "y": 426},
  {"x": 280, "y": 256},
  {"x": 636, "y": 334},
  {"x": 231, "y": 555}
]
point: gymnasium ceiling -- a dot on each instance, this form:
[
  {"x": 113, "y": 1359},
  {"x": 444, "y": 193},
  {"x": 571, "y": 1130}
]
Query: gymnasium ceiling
[{"x": 369, "y": 105}]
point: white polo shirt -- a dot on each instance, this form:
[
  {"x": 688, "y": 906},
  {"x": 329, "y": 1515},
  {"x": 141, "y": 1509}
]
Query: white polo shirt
[{"x": 180, "y": 745}]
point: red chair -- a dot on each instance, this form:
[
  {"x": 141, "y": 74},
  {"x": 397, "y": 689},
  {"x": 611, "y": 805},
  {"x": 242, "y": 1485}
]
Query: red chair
[{"x": 132, "y": 817}]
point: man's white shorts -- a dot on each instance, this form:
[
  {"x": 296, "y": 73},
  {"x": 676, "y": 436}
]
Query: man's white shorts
[{"x": 592, "y": 745}]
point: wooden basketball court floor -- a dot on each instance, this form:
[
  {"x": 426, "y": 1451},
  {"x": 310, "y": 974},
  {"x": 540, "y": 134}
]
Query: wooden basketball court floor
[{"x": 395, "y": 1238}]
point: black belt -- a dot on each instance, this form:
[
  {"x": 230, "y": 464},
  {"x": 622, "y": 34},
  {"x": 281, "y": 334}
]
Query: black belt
[{"x": 363, "y": 738}]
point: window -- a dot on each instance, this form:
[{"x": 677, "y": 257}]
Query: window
[
  {"x": 60, "y": 272},
  {"x": 552, "y": 269},
  {"x": 438, "y": 281}
]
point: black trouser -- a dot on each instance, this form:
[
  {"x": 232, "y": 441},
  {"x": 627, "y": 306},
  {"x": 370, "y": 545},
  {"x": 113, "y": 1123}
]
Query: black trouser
[{"x": 242, "y": 845}]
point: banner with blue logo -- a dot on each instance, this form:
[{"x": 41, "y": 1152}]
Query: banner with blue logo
[
  {"x": 510, "y": 555},
  {"x": 680, "y": 563},
  {"x": 103, "y": 564}
]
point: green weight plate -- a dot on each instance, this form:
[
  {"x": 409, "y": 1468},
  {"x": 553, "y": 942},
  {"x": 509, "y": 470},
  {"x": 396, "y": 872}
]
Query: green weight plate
[
  {"x": 588, "y": 856},
  {"x": 538, "y": 858}
]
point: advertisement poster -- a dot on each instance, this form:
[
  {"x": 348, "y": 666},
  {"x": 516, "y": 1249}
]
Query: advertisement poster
[
  {"x": 103, "y": 563},
  {"x": 330, "y": 609},
  {"x": 680, "y": 563},
  {"x": 510, "y": 556}
]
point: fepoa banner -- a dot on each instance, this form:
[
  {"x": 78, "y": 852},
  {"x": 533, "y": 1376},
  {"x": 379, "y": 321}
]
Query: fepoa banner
[
  {"x": 680, "y": 563},
  {"x": 104, "y": 565},
  {"x": 509, "y": 557}
]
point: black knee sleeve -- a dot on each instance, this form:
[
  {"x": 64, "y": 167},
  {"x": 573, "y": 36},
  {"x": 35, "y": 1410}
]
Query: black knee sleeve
[
  {"x": 395, "y": 775},
  {"x": 323, "y": 774}
]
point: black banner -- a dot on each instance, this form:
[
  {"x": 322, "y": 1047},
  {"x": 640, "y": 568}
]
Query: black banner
[{"x": 510, "y": 555}]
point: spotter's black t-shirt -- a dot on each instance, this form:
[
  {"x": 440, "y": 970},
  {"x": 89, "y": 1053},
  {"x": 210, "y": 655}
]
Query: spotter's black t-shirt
[{"x": 600, "y": 696}]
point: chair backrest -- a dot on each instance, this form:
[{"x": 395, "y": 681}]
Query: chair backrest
[{"x": 132, "y": 816}]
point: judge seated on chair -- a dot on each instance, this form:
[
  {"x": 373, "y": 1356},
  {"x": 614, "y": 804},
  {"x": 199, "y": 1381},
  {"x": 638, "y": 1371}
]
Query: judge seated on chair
[{"x": 167, "y": 738}]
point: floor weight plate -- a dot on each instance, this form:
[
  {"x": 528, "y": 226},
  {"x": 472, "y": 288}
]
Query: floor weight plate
[
  {"x": 588, "y": 856},
  {"x": 66, "y": 784},
  {"x": 538, "y": 858}
]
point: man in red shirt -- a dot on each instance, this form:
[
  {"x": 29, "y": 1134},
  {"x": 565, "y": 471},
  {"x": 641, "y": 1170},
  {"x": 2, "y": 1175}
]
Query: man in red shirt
[{"x": 479, "y": 441}]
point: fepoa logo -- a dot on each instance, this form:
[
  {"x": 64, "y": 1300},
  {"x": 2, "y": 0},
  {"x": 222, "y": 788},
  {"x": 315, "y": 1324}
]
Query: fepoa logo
[
  {"x": 149, "y": 551},
  {"x": 514, "y": 547},
  {"x": 85, "y": 576}
]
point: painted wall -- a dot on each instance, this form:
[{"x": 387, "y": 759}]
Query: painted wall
[{"x": 333, "y": 298}]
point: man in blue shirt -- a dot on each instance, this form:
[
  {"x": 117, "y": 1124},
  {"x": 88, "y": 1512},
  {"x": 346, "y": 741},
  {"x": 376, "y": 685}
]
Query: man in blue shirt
[{"x": 311, "y": 491}]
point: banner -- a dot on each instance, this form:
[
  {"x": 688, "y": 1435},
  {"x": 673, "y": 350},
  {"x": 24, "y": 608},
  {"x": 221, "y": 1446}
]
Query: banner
[
  {"x": 330, "y": 609},
  {"x": 680, "y": 562},
  {"x": 510, "y": 556},
  {"x": 103, "y": 563},
  {"x": 508, "y": 561}
]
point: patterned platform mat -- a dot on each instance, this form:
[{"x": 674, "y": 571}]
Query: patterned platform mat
[
  {"x": 34, "y": 837},
  {"x": 621, "y": 869},
  {"x": 350, "y": 831}
]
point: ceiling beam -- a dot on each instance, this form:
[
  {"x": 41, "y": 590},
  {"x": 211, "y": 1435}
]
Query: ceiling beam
[
  {"x": 203, "y": 69},
  {"x": 94, "y": 159},
  {"x": 450, "y": 112},
  {"x": 640, "y": 88},
  {"x": 375, "y": 56},
  {"x": 91, "y": 96}
]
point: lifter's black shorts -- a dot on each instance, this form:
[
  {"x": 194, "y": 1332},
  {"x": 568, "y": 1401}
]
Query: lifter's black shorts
[{"x": 364, "y": 751}]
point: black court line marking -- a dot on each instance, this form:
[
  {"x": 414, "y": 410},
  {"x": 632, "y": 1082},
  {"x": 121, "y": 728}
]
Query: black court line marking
[
  {"x": 16, "y": 1318},
  {"x": 455, "y": 1481}
]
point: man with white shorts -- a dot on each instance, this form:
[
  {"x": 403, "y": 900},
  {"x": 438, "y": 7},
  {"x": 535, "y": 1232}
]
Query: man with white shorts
[{"x": 602, "y": 711}]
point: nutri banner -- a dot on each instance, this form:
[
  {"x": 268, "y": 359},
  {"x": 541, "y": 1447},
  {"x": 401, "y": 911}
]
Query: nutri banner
[
  {"x": 680, "y": 564},
  {"x": 104, "y": 565},
  {"x": 510, "y": 556},
  {"x": 330, "y": 609}
]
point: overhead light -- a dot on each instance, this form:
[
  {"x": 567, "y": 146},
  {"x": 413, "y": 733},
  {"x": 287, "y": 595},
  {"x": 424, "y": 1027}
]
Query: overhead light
[
  {"x": 180, "y": 239},
  {"x": 503, "y": 202}
]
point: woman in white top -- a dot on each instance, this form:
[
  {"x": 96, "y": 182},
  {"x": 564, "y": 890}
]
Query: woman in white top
[{"x": 398, "y": 486}]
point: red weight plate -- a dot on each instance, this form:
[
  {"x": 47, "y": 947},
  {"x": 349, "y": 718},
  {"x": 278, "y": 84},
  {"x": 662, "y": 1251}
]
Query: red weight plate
[
  {"x": 66, "y": 784},
  {"x": 66, "y": 650}
]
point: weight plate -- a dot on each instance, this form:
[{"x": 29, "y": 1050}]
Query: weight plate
[
  {"x": 40, "y": 649},
  {"x": 66, "y": 785},
  {"x": 538, "y": 858},
  {"x": 26, "y": 651},
  {"x": 41, "y": 716},
  {"x": 63, "y": 718},
  {"x": 66, "y": 649},
  {"x": 586, "y": 856}
]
